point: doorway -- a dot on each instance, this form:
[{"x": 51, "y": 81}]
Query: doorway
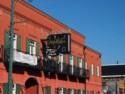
[{"x": 31, "y": 86}]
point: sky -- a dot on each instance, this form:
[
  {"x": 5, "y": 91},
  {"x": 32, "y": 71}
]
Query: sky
[{"x": 101, "y": 21}]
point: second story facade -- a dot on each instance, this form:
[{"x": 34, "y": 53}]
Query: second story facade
[{"x": 77, "y": 72}]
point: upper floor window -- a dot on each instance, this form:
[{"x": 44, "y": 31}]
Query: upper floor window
[
  {"x": 86, "y": 65},
  {"x": 61, "y": 58},
  {"x": 80, "y": 62},
  {"x": 15, "y": 41},
  {"x": 32, "y": 47},
  {"x": 71, "y": 60},
  {"x": 92, "y": 69},
  {"x": 98, "y": 71}
]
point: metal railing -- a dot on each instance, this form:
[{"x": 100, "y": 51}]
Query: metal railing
[{"x": 61, "y": 67}]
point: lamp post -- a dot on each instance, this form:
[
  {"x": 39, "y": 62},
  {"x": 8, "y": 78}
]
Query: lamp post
[{"x": 10, "y": 80}]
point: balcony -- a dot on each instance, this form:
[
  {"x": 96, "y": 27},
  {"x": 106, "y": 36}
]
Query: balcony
[
  {"x": 1, "y": 53},
  {"x": 72, "y": 70},
  {"x": 49, "y": 65},
  {"x": 22, "y": 59},
  {"x": 80, "y": 72},
  {"x": 61, "y": 68}
]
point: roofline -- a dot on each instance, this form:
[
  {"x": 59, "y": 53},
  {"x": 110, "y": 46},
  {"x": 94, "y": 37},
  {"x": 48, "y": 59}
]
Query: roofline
[
  {"x": 86, "y": 47},
  {"x": 113, "y": 64},
  {"x": 113, "y": 76},
  {"x": 55, "y": 20}
]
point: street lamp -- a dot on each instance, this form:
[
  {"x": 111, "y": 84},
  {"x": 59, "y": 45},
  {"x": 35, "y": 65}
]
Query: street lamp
[{"x": 10, "y": 80}]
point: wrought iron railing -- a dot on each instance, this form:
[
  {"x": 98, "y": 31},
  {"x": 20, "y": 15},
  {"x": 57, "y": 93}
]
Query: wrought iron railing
[
  {"x": 49, "y": 65},
  {"x": 72, "y": 70},
  {"x": 61, "y": 67}
]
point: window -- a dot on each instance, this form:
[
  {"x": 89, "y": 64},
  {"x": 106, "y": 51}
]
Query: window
[
  {"x": 48, "y": 90},
  {"x": 71, "y": 60},
  {"x": 86, "y": 66},
  {"x": 92, "y": 69},
  {"x": 80, "y": 62},
  {"x": 15, "y": 90},
  {"x": 61, "y": 57},
  {"x": 71, "y": 64},
  {"x": 98, "y": 71},
  {"x": 61, "y": 90},
  {"x": 61, "y": 61},
  {"x": 80, "y": 91},
  {"x": 15, "y": 41},
  {"x": 32, "y": 47},
  {"x": 71, "y": 91}
]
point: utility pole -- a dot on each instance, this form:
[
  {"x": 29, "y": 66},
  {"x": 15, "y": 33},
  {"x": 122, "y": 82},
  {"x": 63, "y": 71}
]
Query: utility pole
[{"x": 10, "y": 80}]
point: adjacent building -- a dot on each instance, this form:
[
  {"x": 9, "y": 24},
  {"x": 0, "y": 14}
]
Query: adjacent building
[
  {"x": 113, "y": 79},
  {"x": 76, "y": 73}
]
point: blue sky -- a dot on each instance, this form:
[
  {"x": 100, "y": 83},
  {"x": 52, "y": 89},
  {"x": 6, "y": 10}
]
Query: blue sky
[{"x": 101, "y": 21}]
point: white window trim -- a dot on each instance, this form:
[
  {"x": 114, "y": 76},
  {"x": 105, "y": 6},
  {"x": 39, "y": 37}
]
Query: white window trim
[
  {"x": 72, "y": 91},
  {"x": 32, "y": 48},
  {"x": 15, "y": 41},
  {"x": 61, "y": 56},
  {"x": 98, "y": 71},
  {"x": 86, "y": 65},
  {"x": 80, "y": 65},
  {"x": 72, "y": 63},
  {"x": 60, "y": 91},
  {"x": 92, "y": 69},
  {"x": 14, "y": 89},
  {"x": 81, "y": 91}
]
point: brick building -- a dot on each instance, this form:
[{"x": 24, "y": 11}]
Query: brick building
[{"x": 74, "y": 73}]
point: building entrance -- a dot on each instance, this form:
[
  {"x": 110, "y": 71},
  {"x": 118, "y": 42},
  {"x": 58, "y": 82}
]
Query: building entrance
[{"x": 31, "y": 86}]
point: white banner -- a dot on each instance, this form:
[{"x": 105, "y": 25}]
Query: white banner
[{"x": 24, "y": 58}]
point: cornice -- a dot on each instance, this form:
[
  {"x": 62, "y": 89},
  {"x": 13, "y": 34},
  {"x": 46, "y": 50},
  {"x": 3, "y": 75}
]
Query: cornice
[{"x": 90, "y": 49}]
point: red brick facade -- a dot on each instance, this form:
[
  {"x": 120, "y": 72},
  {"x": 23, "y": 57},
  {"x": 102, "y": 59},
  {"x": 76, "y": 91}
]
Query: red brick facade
[{"x": 35, "y": 25}]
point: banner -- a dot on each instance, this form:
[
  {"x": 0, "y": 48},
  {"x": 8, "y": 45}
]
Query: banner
[{"x": 24, "y": 58}]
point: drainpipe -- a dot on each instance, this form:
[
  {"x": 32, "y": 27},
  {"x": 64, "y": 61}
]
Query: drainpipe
[{"x": 84, "y": 65}]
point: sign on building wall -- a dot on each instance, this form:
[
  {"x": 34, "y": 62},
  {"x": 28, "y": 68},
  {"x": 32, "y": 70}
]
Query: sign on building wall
[
  {"x": 24, "y": 58},
  {"x": 60, "y": 42}
]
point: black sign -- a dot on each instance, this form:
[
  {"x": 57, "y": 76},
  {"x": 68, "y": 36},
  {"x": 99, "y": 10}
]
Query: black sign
[{"x": 60, "y": 42}]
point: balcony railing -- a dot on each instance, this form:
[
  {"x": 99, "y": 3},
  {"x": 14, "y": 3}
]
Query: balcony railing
[
  {"x": 49, "y": 65},
  {"x": 72, "y": 70},
  {"x": 61, "y": 67},
  {"x": 22, "y": 59},
  {"x": 1, "y": 52},
  {"x": 80, "y": 72}
]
